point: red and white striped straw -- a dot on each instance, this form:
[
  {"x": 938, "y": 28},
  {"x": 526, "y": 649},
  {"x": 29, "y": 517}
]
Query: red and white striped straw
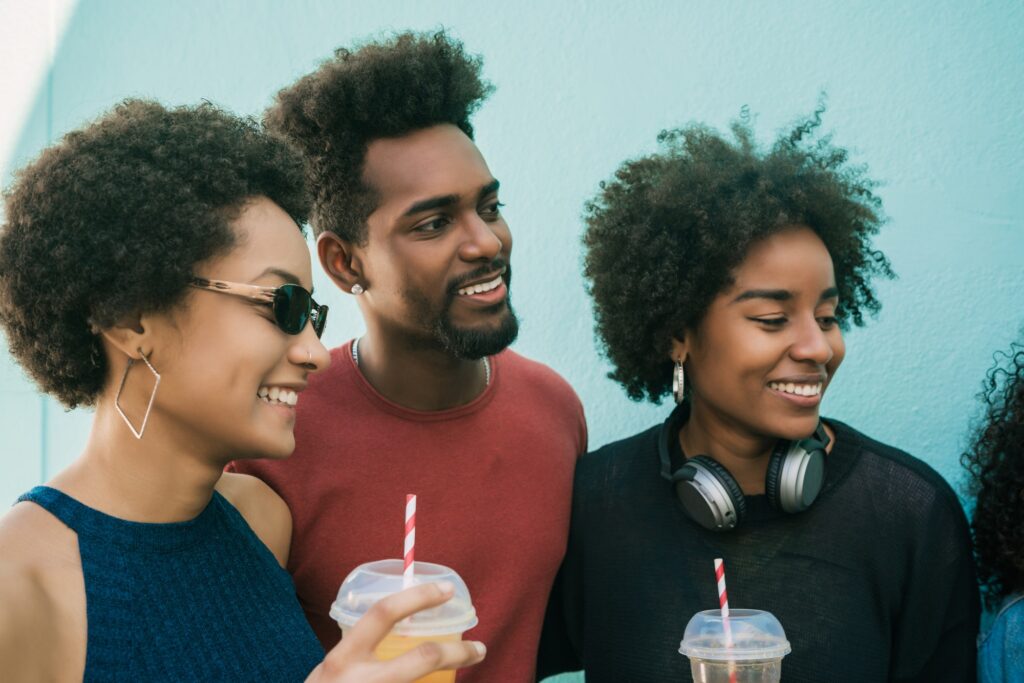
[
  {"x": 723, "y": 603},
  {"x": 410, "y": 540}
]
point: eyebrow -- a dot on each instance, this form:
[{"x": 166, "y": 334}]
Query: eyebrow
[
  {"x": 781, "y": 294},
  {"x": 445, "y": 200},
  {"x": 289, "y": 278}
]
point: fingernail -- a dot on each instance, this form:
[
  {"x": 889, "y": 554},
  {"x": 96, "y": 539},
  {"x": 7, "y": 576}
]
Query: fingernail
[
  {"x": 481, "y": 649},
  {"x": 447, "y": 587}
]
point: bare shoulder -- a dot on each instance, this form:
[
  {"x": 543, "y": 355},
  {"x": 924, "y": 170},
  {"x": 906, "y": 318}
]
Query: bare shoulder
[
  {"x": 263, "y": 509},
  {"x": 42, "y": 597}
]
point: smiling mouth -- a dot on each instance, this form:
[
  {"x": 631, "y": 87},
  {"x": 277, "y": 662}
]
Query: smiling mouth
[
  {"x": 278, "y": 396},
  {"x": 482, "y": 287},
  {"x": 797, "y": 388}
]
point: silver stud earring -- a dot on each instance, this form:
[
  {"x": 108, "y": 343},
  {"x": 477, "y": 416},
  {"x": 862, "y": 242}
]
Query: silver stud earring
[
  {"x": 117, "y": 399},
  {"x": 357, "y": 289},
  {"x": 679, "y": 382}
]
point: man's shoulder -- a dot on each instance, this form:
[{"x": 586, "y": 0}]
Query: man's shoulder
[{"x": 536, "y": 379}]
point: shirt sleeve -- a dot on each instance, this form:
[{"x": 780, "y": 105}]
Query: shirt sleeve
[
  {"x": 935, "y": 636},
  {"x": 1001, "y": 651},
  {"x": 561, "y": 642}
]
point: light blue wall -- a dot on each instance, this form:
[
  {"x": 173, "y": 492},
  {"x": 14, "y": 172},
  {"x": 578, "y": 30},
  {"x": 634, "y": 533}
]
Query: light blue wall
[{"x": 929, "y": 93}]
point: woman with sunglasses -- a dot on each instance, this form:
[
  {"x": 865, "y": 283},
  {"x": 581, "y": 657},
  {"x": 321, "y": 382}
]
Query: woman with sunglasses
[
  {"x": 995, "y": 461},
  {"x": 152, "y": 267},
  {"x": 723, "y": 274}
]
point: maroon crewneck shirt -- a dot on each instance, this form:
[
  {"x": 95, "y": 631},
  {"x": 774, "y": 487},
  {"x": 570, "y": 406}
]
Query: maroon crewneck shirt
[{"x": 494, "y": 485}]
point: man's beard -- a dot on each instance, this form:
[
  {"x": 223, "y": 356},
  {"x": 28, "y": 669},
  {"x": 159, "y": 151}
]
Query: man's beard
[{"x": 461, "y": 342}]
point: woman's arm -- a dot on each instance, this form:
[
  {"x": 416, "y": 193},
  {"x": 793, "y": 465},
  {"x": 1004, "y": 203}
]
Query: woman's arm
[
  {"x": 25, "y": 637},
  {"x": 937, "y": 627}
]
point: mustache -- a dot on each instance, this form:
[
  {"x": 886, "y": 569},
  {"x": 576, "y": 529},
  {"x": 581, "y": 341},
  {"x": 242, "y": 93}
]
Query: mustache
[{"x": 497, "y": 264}]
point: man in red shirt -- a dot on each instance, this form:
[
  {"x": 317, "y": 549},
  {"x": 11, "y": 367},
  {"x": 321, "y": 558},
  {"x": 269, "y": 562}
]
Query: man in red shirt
[{"x": 429, "y": 401}]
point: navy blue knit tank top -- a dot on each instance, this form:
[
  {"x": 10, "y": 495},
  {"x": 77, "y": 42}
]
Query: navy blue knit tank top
[{"x": 202, "y": 600}]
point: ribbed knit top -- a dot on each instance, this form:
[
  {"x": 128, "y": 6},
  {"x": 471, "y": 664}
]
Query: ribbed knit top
[{"x": 202, "y": 600}]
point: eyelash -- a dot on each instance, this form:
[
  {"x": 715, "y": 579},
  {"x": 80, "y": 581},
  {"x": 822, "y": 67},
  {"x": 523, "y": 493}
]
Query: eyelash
[
  {"x": 827, "y": 322},
  {"x": 494, "y": 209},
  {"x": 423, "y": 227},
  {"x": 491, "y": 212}
]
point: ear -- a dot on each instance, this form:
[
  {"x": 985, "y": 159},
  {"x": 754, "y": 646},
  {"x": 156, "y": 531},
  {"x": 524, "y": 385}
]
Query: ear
[
  {"x": 680, "y": 349},
  {"x": 339, "y": 261},
  {"x": 130, "y": 336}
]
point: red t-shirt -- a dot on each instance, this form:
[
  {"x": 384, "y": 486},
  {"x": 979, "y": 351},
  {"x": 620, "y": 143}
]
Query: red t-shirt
[{"x": 493, "y": 480}]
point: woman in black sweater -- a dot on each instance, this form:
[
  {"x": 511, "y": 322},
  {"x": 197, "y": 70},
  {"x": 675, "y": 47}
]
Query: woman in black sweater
[{"x": 723, "y": 274}]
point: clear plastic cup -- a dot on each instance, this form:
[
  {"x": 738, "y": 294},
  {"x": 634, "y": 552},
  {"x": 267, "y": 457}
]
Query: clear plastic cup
[
  {"x": 370, "y": 582},
  {"x": 758, "y": 646}
]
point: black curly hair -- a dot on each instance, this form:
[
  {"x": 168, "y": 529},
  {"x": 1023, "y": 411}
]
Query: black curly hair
[
  {"x": 664, "y": 236},
  {"x": 110, "y": 222},
  {"x": 388, "y": 89},
  {"x": 995, "y": 461}
]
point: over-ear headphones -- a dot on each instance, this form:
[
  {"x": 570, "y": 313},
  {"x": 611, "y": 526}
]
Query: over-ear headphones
[{"x": 711, "y": 496}]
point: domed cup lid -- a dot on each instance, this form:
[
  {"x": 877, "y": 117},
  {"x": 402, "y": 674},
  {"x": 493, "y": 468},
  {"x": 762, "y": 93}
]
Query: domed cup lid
[
  {"x": 370, "y": 582},
  {"x": 756, "y": 635}
]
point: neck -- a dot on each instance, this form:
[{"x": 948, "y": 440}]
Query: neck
[
  {"x": 418, "y": 377},
  {"x": 156, "y": 479},
  {"x": 745, "y": 455}
]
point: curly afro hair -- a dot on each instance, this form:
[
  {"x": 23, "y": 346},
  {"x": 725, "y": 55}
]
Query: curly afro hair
[
  {"x": 664, "y": 235},
  {"x": 380, "y": 90},
  {"x": 995, "y": 461},
  {"x": 110, "y": 222}
]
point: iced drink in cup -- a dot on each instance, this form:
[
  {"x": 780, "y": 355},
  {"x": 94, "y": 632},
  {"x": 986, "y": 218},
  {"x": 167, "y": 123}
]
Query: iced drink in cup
[
  {"x": 758, "y": 645},
  {"x": 373, "y": 581}
]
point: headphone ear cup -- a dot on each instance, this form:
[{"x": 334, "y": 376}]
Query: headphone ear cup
[
  {"x": 796, "y": 473},
  {"x": 710, "y": 495},
  {"x": 771, "y": 479}
]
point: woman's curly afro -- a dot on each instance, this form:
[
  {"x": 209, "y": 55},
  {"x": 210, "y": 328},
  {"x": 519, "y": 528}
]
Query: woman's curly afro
[
  {"x": 995, "y": 461},
  {"x": 381, "y": 90},
  {"x": 110, "y": 222},
  {"x": 664, "y": 236}
]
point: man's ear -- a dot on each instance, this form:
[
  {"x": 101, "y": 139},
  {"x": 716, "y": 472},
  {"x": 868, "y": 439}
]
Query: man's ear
[{"x": 340, "y": 262}]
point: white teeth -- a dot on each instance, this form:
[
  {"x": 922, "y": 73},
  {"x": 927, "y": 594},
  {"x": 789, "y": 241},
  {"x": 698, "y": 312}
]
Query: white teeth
[
  {"x": 278, "y": 395},
  {"x": 796, "y": 389},
  {"x": 479, "y": 289}
]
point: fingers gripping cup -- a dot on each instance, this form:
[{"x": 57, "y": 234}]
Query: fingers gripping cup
[
  {"x": 370, "y": 582},
  {"x": 755, "y": 654}
]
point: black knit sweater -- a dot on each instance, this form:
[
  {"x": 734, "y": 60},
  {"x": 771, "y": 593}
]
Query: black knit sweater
[{"x": 875, "y": 582}]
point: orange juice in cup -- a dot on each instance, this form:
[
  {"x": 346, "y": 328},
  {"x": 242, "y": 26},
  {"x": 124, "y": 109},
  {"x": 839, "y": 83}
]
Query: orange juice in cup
[{"x": 370, "y": 582}]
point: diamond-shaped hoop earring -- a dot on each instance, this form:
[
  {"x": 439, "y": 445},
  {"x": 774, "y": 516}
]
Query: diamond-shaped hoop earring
[
  {"x": 679, "y": 382},
  {"x": 117, "y": 399}
]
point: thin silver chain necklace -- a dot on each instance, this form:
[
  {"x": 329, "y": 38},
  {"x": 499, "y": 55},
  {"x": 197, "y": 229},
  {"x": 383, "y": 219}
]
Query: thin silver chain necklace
[{"x": 487, "y": 363}]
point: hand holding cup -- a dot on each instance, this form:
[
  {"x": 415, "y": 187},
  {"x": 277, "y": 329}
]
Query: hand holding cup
[{"x": 354, "y": 660}]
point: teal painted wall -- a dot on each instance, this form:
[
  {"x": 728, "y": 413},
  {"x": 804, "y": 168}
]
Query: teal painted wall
[{"x": 930, "y": 94}]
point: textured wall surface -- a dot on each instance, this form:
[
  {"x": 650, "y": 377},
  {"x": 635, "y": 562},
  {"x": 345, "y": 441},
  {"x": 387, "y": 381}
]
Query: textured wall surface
[{"x": 929, "y": 94}]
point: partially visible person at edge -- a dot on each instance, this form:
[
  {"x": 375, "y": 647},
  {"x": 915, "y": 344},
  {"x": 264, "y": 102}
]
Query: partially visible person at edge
[
  {"x": 729, "y": 271},
  {"x": 429, "y": 400},
  {"x": 995, "y": 461},
  {"x": 152, "y": 267}
]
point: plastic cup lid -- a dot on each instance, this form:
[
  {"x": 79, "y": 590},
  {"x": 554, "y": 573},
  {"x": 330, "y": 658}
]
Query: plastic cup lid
[
  {"x": 370, "y": 582},
  {"x": 756, "y": 635}
]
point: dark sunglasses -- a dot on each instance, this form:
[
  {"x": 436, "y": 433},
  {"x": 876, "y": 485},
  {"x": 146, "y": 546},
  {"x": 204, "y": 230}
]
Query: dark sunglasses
[{"x": 293, "y": 306}]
